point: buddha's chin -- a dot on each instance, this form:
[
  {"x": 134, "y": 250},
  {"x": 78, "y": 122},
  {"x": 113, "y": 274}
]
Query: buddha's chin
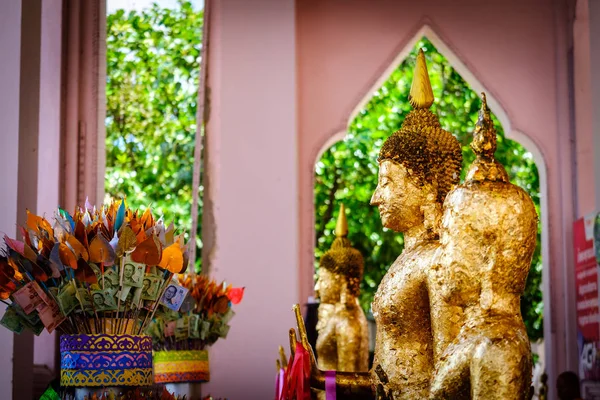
[{"x": 386, "y": 221}]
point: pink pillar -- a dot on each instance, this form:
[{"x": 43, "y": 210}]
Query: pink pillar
[
  {"x": 30, "y": 41},
  {"x": 251, "y": 189},
  {"x": 28, "y": 166},
  {"x": 594, "y": 57},
  {"x": 84, "y": 111},
  {"x": 10, "y": 48},
  {"x": 48, "y": 188},
  {"x": 586, "y": 187}
]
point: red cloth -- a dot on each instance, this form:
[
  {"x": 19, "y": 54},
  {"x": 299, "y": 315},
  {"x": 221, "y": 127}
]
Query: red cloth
[{"x": 297, "y": 382}]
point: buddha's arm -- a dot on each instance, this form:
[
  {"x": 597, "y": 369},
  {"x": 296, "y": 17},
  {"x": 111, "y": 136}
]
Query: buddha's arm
[
  {"x": 347, "y": 383},
  {"x": 350, "y": 340},
  {"x": 353, "y": 384},
  {"x": 446, "y": 318}
]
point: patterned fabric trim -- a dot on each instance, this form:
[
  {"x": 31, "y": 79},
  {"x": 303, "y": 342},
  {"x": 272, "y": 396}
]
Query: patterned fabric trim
[
  {"x": 104, "y": 342},
  {"x": 106, "y": 360},
  {"x": 120, "y": 377},
  {"x": 181, "y": 366}
]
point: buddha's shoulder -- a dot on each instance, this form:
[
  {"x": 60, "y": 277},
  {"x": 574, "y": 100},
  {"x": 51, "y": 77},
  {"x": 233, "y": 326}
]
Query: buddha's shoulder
[{"x": 421, "y": 255}]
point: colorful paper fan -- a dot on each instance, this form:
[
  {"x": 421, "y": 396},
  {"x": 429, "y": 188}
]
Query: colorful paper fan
[
  {"x": 98, "y": 270},
  {"x": 202, "y": 319}
]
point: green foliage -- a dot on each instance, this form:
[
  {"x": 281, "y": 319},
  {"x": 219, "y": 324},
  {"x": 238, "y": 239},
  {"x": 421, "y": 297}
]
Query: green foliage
[
  {"x": 152, "y": 80},
  {"x": 347, "y": 172}
]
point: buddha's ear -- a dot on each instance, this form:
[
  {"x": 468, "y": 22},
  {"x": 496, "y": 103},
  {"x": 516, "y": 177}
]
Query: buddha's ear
[
  {"x": 432, "y": 215},
  {"x": 431, "y": 195},
  {"x": 345, "y": 295}
]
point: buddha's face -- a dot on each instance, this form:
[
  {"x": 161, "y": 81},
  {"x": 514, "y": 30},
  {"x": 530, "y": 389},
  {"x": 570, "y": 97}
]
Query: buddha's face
[
  {"x": 399, "y": 197},
  {"x": 328, "y": 287}
]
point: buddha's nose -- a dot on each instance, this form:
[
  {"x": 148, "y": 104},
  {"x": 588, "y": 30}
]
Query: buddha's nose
[{"x": 375, "y": 199}]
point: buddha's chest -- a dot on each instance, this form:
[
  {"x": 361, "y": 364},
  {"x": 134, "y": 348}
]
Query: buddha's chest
[{"x": 402, "y": 296}]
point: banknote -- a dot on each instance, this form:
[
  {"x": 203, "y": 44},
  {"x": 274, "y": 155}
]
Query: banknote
[
  {"x": 133, "y": 273},
  {"x": 12, "y": 321},
  {"x": 27, "y": 297},
  {"x": 182, "y": 328},
  {"x": 174, "y": 296},
  {"x": 151, "y": 286},
  {"x": 104, "y": 300},
  {"x": 67, "y": 301},
  {"x": 50, "y": 315},
  {"x": 170, "y": 328},
  {"x": 194, "y": 326}
]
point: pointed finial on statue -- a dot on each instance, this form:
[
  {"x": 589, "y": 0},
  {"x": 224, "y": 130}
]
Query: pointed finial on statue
[
  {"x": 484, "y": 136},
  {"x": 341, "y": 228},
  {"x": 485, "y": 167},
  {"x": 421, "y": 94}
]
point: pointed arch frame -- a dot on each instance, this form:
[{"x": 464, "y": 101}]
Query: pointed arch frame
[{"x": 495, "y": 106}]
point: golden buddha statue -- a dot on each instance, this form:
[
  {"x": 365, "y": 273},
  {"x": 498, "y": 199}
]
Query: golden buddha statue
[
  {"x": 487, "y": 241},
  {"x": 418, "y": 166},
  {"x": 343, "y": 335}
]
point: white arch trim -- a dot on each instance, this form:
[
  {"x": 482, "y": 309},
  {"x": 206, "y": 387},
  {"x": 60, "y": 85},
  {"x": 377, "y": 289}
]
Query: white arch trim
[{"x": 514, "y": 134}]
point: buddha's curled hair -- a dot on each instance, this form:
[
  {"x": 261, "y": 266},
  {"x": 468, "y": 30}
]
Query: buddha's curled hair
[
  {"x": 431, "y": 154},
  {"x": 344, "y": 260}
]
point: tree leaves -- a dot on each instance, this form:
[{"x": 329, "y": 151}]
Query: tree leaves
[{"x": 152, "y": 82}]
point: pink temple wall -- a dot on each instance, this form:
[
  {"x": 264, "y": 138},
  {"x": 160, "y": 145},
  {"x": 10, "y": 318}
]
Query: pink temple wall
[
  {"x": 251, "y": 187},
  {"x": 584, "y": 145},
  {"x": 10, "y": 48},
  {"x": 517, "y": 50}
]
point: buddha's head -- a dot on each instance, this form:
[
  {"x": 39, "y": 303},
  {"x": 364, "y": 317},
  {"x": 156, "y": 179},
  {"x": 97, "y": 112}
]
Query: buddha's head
[
  {"x": 419, "y": 164},
  {"x": 489, "y": 229},
  {"x": 341, "y": 268}
]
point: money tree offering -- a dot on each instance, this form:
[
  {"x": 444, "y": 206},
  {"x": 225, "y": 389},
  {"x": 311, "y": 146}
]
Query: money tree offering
[
  {"x": 181, "y": 337},
  {"x": 96, "y": 276}
]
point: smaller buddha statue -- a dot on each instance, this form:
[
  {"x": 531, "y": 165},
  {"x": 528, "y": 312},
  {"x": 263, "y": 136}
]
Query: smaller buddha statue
[
  {"x": 487, "y": 240},
  {"x": 343, "y": 341}
]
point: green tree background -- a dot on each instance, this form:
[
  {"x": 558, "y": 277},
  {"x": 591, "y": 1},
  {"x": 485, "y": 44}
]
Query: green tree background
[
  {"x": 347, "y": 172},
  {"x": 153, "y": 68}
]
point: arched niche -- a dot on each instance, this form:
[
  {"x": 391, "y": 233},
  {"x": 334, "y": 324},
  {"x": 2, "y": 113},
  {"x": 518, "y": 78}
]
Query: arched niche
[{"x": 510, "y": 133}]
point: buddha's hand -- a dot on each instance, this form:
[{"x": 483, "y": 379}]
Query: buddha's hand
[
  {"x": 317, "y": 375},
  {"x": 349, "y": 385}
]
